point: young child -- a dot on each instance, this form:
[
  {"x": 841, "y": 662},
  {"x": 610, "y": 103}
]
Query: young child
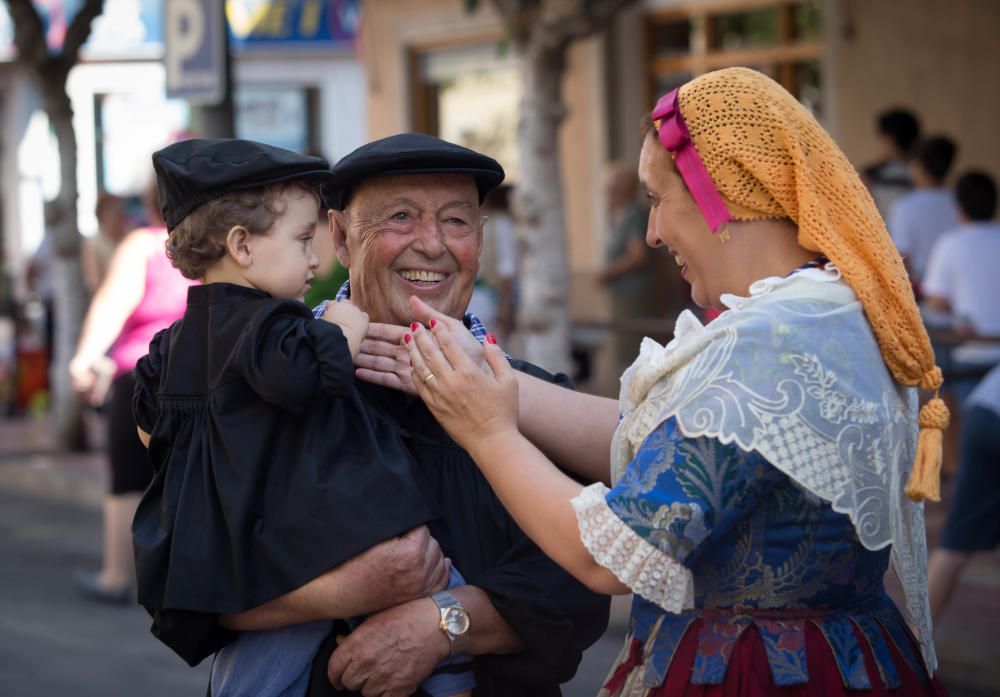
[{"x": 269, "y": 468}]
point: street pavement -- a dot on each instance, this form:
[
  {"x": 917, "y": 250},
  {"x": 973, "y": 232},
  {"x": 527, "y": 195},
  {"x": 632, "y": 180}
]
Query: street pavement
[{"x": 54, "y": 642}]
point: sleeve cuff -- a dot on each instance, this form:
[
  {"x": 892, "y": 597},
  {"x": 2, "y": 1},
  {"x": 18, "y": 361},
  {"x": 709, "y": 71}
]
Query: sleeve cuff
[
  {"x": 642, "y": 567},
  {"x": 336, "y": 367}
]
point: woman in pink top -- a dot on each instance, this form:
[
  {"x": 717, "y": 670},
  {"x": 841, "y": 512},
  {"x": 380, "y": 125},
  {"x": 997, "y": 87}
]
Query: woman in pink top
[{"x": 140, "y": 295}]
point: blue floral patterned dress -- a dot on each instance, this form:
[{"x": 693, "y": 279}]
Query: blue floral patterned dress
[{"x": 763, "y": 552}]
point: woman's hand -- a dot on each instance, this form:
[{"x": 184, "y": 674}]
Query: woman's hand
[
  {"x": 472, "y": 406},
  {"x": 92, "y": 378},
  {"x": 384, "y": 360},
  {"x": 469, "y": 344},
  {"x": 80, "y": 374}
]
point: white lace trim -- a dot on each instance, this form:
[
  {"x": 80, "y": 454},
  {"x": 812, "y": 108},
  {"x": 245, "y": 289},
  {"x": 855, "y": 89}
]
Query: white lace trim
[
  {"x": 758, "y": 289},
  {"x": 642, "y": 567}
]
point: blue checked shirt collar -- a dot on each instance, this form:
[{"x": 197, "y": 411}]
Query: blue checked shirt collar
[{"x": 471, "y": 322}]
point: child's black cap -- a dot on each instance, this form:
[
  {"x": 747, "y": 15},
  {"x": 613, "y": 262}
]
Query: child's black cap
[
  {"x": 192, "y": 172},
  {"x": 410, "y": 153}
]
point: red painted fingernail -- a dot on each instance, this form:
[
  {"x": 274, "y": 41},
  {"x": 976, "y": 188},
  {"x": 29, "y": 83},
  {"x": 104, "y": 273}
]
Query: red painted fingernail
[
  {"x": 407, "y": 338},
  {"x": 414, "y": 326},
  {"x": 490, "y": 339},
  {"x": 433, "y": 323}
]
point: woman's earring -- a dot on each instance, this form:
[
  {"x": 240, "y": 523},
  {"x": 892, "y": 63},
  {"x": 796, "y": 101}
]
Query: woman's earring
[{"x": 723, "y": 233}]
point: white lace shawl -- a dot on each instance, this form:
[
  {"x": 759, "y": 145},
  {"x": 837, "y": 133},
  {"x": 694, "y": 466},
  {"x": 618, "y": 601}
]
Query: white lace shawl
[{"x": 793, "y": 372}]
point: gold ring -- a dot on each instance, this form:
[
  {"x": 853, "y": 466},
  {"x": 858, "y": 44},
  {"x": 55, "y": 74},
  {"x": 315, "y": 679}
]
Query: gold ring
[{"x": 430, "y": 376}]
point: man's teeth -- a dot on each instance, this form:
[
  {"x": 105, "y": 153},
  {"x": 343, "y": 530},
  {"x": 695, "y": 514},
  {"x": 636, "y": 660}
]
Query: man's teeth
[
  {"x": 423, "y": 276},
  {"x": 677, "y": 258}
]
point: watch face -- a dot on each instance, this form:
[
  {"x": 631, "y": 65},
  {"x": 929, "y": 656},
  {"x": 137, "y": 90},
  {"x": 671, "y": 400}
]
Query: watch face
[{"x": 456, "y": 621}]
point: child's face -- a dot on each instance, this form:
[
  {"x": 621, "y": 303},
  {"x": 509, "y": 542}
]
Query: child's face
[{"x": 283, "y": 259}]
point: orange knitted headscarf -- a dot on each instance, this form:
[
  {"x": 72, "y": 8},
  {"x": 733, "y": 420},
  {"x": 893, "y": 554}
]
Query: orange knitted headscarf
[{"x": 769, "y": 158}]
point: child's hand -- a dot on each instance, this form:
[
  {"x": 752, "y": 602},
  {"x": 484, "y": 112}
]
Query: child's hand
[{"x": 352, "y": 321}]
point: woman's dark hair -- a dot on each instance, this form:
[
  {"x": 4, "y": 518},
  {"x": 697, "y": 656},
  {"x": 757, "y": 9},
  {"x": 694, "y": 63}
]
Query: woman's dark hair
[
  {"x": 977, "y": 195},
  {"x": 901, "y": 126},
  {"x": 935, "y": 155}
]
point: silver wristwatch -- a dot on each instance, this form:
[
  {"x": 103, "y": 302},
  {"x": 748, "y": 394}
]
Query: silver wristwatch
[{"x": 454, "y": 621}]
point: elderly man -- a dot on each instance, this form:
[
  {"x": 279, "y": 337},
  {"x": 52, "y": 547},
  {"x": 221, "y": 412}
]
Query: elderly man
[{"x": 406, "y": 222}]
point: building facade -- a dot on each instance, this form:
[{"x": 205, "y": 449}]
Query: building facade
[
  {"x": 846, "y": 60},
  {"x": 297, "y": 83}
]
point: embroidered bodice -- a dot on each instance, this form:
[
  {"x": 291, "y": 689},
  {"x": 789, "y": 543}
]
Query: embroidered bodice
[{"x": 762, "y": 551}]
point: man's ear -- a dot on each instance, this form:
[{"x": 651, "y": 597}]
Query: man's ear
[
  {"x": 238, "y": 245},
  {"x": 338, "y": 229}
]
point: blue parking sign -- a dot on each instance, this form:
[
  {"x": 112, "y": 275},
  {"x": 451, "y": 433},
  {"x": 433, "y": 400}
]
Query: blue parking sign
[{"x": 194, "y": 50}]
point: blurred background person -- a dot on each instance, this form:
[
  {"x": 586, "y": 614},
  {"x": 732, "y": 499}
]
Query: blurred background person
[
  {"x": 40, "y": 288},
  {"x": 627, "y": 275},
  {"x": 889, "y": 178},
  {"x": 141, "y": 294},
  {"x": 494, "y": 296},
  {"x": 918, "y": 218},
  {"x": 8, "y": 342},
  {"x": 962, "y": 285},
  {"x": 96, "y": 251},
  {"x": 973, "y": 523}
]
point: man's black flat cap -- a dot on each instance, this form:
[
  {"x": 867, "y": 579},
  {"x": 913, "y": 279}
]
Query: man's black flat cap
[
  {"x": 192, "y": 172},
  {"x": 410, "y": 153}
]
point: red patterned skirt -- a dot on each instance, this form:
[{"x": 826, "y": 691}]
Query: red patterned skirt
[{"x": 749, "y": 675}]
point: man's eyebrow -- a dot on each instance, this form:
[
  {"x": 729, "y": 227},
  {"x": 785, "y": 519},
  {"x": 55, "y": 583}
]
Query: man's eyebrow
[
  {"x": 460, "y": 203},
  {"x": 405, "y": 201},
  {"x": 396, "y": 201}
]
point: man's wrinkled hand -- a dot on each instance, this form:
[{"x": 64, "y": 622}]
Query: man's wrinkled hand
[
  {"x": 391, "y": 652},
  {"x": 411, "y": 565},
  {"x": 383, "y": 360}
]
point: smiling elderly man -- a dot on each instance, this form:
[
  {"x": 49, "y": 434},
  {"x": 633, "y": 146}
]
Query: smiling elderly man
[{"x": 405, "y": 221}]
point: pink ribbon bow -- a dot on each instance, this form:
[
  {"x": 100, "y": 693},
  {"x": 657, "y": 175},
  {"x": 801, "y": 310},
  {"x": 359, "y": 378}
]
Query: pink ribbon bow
[{"x": 676, "y": 138}]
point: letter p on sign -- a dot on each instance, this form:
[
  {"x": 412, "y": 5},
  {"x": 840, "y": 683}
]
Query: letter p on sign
[{"x": 194, "y": 45}]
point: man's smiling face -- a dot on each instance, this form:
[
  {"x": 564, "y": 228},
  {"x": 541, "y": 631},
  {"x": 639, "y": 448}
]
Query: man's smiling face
[{"x": 414, "y": 234}]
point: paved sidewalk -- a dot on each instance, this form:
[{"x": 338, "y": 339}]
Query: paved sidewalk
[
  {"x": 28, "y": 464},
  {"x": 967, "y": 638}
]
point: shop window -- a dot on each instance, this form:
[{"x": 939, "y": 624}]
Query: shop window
[
  {"x": 470, "y": 95},
  {"x": 672, "y": 38},
  {"x": 781, "y": 38},
  {"x": 736, "y": 30},
  {"x": 129, "y": 126},
  {"x": 285, "y": 117}
]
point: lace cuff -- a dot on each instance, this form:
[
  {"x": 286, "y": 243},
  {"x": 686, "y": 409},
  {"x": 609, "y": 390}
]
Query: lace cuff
[{"x": 654, "y": 575}]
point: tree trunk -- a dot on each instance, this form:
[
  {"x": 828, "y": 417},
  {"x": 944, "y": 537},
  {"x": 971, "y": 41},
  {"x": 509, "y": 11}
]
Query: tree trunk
[
  {"x": 543, "y": 32},
  {"x": 49, "y": 74},
  {"x": 67, "y": 276},
  {"x": 543, "y": 318}
]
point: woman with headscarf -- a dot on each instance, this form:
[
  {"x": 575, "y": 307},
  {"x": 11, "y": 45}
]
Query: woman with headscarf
[{"x": 766, "y": 467}]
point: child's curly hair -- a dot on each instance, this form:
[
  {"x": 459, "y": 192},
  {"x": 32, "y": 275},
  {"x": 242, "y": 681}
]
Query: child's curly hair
[{"x": 199, "y": 240}]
